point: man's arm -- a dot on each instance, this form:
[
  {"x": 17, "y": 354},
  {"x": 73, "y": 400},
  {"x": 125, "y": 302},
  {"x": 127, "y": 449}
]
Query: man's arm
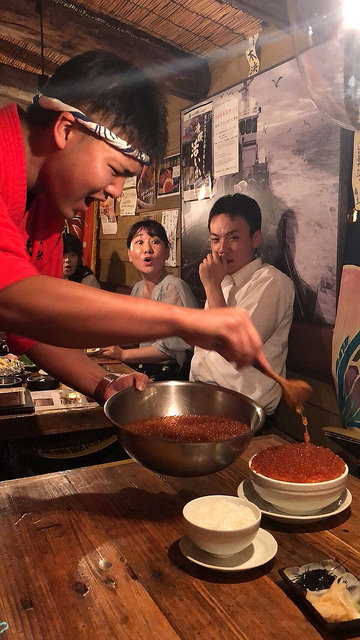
[
  {"x": 68, "y": 314},
  {"x": 144, "y": 355},
  {"x": 79, "y": 372}
]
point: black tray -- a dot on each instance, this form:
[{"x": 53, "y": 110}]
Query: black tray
[
  {"x": 16, "y": 401},
  {"x": 10, "y": 381},
  {"x": 287, "y": 573}
]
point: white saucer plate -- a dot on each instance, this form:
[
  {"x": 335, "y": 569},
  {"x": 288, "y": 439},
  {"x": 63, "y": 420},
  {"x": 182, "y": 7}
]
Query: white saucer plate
[
  {"x": 261, "y": 550},
  {"x": 246, "y": 490}
]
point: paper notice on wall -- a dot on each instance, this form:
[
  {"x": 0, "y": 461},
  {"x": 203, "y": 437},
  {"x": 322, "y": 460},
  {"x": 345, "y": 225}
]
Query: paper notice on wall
[
  {"x": 252, "y": 56},
  {"x": 226, "y": 138},
  {"x": 169, "y": 220},
  {"x": 108, "y": 217},
  {"x": 127, "y": 202},
  {"x": 130, "y": 182}
]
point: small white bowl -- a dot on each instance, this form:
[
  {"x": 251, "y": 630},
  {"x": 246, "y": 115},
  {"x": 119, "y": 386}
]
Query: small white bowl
[
  {"x": 219, "y": 541},
  {"x": 300, "y": 498}
]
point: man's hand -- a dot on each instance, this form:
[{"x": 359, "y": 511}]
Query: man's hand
[
  {"x": 112, "y": 352},
  {"x": 212, "y": 270},
  {"x": 230, "y": 332},
  {"x": 138, "y": 380}
]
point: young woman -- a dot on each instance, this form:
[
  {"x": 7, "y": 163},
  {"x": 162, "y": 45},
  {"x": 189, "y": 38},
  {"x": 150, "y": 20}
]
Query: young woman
[
  {"x": 73, "y": 267},
  {"x": 148, "y": 249}
]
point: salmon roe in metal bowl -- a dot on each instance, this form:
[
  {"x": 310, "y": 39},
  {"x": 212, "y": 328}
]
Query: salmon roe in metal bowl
[{"x": 298, "y": 462}]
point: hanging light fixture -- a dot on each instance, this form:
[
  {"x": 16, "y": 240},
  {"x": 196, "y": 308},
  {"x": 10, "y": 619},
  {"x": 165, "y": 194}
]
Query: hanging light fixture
[{"x": 42, "y": 78}]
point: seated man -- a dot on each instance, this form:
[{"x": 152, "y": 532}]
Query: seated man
[{"x": 233, "y": 276}]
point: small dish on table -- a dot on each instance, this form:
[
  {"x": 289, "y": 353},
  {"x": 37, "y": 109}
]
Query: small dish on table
[
  {"x": 319, "y": 578},
  {"x": 262, "y": 549}
]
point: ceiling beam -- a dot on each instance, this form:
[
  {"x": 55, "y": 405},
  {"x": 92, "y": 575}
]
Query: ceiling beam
[
  {"x": 69, "y": 30},
  {"x": 17, "y": 85},
  {"x": 274, "y": 12}
]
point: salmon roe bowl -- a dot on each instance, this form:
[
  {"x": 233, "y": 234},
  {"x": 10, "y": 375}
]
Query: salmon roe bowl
[{"x": 298, "y": 478}]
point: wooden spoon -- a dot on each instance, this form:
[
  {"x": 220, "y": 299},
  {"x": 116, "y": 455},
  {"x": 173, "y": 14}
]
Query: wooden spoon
[{"x": 295, "y": 392}]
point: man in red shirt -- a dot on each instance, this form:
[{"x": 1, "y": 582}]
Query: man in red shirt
[{"x": 97, "y": 122}]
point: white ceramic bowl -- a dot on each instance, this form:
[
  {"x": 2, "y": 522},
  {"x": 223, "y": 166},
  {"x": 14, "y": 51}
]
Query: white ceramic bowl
[
  {"x": 219, "y": 541},
  {"x": 301, "y": 498}
]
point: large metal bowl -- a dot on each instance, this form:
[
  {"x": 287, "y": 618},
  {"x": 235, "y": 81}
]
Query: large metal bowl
[{"x": 178, "y": 458}]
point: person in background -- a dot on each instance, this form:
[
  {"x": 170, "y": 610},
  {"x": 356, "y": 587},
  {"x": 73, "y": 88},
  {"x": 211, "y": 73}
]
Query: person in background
[
  {"x": 73, "y": 266},
  {"x": 148, "y": 249},
  {"x": 97, "y": 122},
  {"x": 233, "y": 275}
]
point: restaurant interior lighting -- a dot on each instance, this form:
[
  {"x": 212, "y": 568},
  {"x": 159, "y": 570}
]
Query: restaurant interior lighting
[{"x": 326, "y": 36}]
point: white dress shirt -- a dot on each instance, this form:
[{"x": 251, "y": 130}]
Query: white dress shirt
[{"x": 268, "y": 296}]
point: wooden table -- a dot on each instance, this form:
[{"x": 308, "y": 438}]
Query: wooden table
[
  {"x": 94, "y": 554},
  {"x": 64, "y": 420}
]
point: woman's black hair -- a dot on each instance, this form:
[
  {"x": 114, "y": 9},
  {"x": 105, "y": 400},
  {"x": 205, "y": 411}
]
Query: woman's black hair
[
  {"x": 72, "y": 244},
  {"x": 112, "y": 92},
  {"x": 152, "y": 227}
]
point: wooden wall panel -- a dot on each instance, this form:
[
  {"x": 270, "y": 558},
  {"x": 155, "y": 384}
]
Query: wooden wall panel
[{"x": 231, "y": 68}]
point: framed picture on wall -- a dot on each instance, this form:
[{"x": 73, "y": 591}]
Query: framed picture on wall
[
  {"x": 146, "y": 188},
  {"x": 168, "y": 183},
  {"x": 196, "y": 153},
  {"x": 289, "y": 162}
]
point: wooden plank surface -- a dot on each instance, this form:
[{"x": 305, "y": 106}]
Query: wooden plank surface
[{"x": 94, "y": 553}]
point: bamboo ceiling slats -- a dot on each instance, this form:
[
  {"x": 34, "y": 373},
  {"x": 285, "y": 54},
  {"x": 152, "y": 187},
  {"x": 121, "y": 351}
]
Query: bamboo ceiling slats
[
  {"x": 175, "y": 38},
  {"x": 196, "y": 26},
  {"x": 26, "y": 57}
]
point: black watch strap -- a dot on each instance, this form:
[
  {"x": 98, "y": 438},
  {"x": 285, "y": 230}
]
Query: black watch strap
[{"x": 102, "y": 387}]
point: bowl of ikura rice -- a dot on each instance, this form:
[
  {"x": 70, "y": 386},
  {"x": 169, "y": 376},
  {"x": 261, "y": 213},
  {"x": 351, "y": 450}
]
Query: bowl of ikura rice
[{"x": 298, "y": 478}]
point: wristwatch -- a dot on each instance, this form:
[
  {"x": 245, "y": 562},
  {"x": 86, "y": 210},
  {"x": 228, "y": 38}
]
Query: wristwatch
[{"x": 103, "y": 386}]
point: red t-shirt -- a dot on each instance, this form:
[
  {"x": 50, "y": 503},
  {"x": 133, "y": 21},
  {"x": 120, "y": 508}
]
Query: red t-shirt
[{"x": 30, "y": 241}]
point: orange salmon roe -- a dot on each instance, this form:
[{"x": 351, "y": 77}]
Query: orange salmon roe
[
  {"x": 298, "y": 462},
  {"x": 189, "y": 428}
]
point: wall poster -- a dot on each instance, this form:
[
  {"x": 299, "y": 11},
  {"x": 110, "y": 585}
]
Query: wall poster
[
  {"x": 169, "y": 220},
  {"x": 169, "y": 177},
  {"x": 146, "y": 188},
  {"x": 196, "y": 153},
  {"x": 288, "y": 161}
]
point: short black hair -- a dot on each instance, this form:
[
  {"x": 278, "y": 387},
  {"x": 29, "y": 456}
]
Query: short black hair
[
  {"x": 238, "y": 205},
  {"x": 152, "y": 227},
  {"x": 109, "y": 90},
  {"x": 72, "y": 244}
]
